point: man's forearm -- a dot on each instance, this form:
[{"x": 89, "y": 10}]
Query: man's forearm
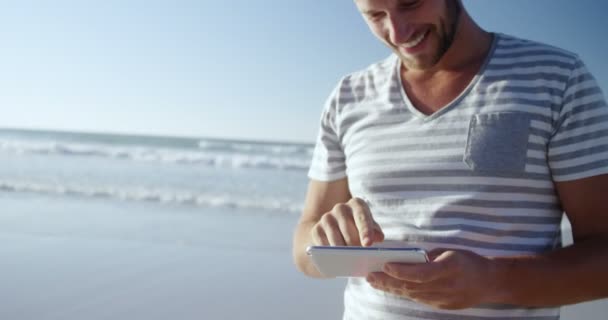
[
  {"x": 569, "y": 275},
  {"x": 300, "y": 242}
]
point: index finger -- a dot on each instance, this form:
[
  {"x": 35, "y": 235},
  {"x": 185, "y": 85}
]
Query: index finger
[{"x": 363, "y": 220}]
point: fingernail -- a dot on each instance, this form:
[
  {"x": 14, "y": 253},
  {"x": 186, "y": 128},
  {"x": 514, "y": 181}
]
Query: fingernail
[
  {"x": 366, "y": 241},
  {"x": 388, "y": 268},
  {"x": 371, "y": 279}
]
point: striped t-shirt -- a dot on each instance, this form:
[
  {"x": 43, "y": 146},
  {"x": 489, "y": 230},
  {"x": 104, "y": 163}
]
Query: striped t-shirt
[{"x": 477, "y": 174}]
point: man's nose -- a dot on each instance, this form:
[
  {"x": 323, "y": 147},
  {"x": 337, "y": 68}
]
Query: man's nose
[{"x": 400, "y": 30}]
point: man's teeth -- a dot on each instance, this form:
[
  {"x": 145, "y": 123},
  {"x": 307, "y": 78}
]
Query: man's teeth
[{"x": 414, "y": 42}]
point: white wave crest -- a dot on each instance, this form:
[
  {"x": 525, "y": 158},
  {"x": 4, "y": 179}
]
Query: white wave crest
[
  {"x": 152, "y": 195},
  {"x": 179, "y": 156},
  {"x": 274, "y": 149}
]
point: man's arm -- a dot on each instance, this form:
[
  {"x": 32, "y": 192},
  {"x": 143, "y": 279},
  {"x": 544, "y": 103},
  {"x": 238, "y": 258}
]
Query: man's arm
[
  {"x": 457, "y": 279},
  {"x": 573, "y": 274},
  {"x": 320, "y": 198}
]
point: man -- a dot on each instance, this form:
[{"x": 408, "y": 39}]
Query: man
[{"x": 470, "y": 145}]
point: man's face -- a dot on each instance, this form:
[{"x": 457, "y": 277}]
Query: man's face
[{"x": 418, "y": 31}]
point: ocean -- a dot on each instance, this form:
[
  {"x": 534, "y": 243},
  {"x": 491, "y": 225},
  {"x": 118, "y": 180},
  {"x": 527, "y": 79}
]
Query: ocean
[
  {"x": 105, "y": 226},
  {"x": 245, "y": 176}
]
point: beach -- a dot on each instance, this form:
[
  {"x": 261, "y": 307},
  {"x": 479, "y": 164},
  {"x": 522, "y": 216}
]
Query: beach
[
  {"x": 96, "y": 260},
  {"x": 138, "y": 262}
]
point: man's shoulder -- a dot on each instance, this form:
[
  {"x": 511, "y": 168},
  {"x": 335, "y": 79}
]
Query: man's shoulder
[
  {"x": 368, "y": 83},
  {"x": 516, "y": 47},
  {"x": 378, "y": 71}
]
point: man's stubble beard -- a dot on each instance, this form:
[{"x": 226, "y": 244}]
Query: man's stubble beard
[{"x": 448, "y": 29}]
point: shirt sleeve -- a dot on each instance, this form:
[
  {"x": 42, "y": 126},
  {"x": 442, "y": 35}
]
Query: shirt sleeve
[
  {"x": 328, "y": 160},
  {"x": 579, "y": 146}
]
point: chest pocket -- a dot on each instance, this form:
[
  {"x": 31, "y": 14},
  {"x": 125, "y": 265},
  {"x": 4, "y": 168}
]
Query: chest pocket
[{"x": 498, "y": 142}]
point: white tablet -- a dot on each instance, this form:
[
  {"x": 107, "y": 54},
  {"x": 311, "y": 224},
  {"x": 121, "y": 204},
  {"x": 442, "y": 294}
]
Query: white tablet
[{"x": 337, "y": 261}]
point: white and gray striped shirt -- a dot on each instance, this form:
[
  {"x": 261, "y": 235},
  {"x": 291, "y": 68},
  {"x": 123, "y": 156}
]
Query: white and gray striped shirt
[{"x": 477, "y": 174}]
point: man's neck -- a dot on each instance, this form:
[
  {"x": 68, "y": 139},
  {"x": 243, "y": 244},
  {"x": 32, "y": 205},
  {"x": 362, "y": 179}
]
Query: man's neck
[{"x": 431, "y": 89}]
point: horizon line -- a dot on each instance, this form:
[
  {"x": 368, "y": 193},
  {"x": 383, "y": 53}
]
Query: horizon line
[{"x": 154, "y": 135}]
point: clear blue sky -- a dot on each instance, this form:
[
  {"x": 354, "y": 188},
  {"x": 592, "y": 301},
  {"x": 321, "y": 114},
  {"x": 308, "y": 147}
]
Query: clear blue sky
[{"x": 235, "y": 69}]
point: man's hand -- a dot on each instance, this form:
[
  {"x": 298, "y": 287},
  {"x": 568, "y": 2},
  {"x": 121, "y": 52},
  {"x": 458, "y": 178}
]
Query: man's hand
[
  {"x": 453, "y": 279},
  {"x": 347, "y": 224}
]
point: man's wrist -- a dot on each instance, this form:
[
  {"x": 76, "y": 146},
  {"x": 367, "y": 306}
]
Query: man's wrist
[{"x": 500, "y": 283}]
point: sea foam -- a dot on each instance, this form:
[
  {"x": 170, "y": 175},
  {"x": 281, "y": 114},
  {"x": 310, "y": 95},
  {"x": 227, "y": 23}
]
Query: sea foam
[
  {"x": 220, "y": 155},
  {"x": 144, "y": 194}
]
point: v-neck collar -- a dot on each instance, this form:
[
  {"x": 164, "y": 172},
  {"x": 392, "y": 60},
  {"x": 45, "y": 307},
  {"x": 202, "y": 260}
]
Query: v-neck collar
[{"x": 410, "y": 106}]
